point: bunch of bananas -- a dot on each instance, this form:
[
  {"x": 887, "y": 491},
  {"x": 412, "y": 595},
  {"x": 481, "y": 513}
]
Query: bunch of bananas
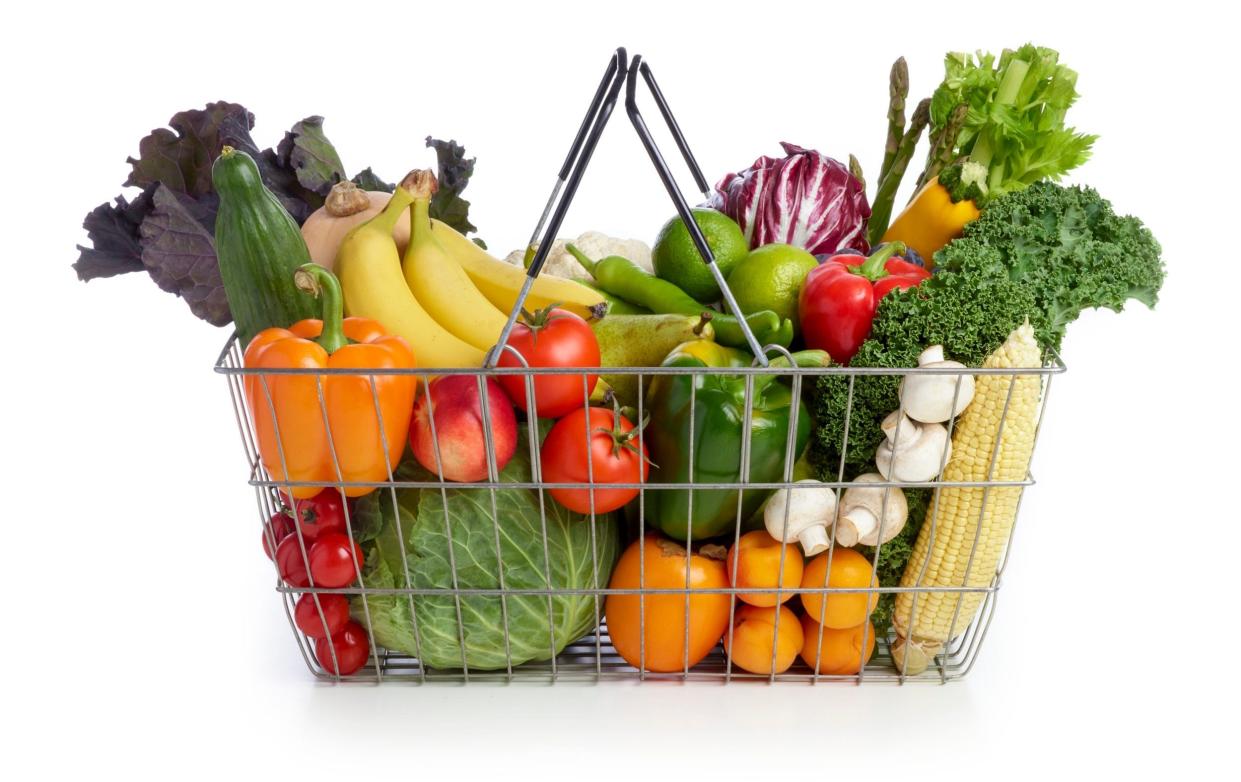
[{"x": 448, "y": 297}]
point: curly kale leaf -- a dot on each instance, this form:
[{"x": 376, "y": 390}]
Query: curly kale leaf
[
  {"x": 1067, "y": 246},
  {"x": 970, "y": 315}
]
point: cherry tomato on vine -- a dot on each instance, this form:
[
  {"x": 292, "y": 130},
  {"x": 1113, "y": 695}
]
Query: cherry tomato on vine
[
  {"x": 552, "y": 338},
  {"x": 331, "y": 560},
  {"x": 324, "y": 512},
  {"x": 614, "y": 458},
  {"x": 291, "y": 563},
  {"x": 335, "y": 615},
  {"x": 351, "y": 645}
]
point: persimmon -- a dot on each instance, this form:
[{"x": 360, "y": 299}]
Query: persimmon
[
  {"x": 661, "y": 618},
  {"x": 840, "y": 651},
  {"x": 757, "y": 645},
  {"x": 850, "y": 570},
  {"x": 757, "y": 556}
]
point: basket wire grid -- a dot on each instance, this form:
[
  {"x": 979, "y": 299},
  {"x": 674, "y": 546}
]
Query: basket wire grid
[{"x": 593, "y": 656}]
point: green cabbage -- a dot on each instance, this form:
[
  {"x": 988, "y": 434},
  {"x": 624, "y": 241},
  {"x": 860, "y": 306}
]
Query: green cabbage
[{"x": 422, "y": 527}]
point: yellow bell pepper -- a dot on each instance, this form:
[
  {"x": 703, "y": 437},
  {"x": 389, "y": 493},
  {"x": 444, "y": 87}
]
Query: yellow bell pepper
[{"x": 931, "y": 221}]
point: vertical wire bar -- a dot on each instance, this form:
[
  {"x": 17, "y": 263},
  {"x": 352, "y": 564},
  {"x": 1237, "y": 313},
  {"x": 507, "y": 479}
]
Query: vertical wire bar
[
  {"x": 452, "y": 554},
  {"x": 982, "y": 512},
  {"x": 493, "y": 474},
  {"x": 594, "y": 553},
  {"x": 641, "y": 546},
  {"x": 747, "y": 419},
  {"x": 1038, "y": 427},
  {"x": 237, "y": 395},
  {"x": 265, "y": 513},
  {"x": 831, "y": 541},
  {"x": 297, "y": 528},
  {"x": 353, "y": 550},
  {"x": 933, "y": 520},
  {"x": 536, "y": 475},
  {"x": 396, "y": 522},
  {"x": 689, "y": 525},
  {"x": 790, "y": 446}
]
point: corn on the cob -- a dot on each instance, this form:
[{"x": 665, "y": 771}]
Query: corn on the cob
[{"x": 947, "y": 536}]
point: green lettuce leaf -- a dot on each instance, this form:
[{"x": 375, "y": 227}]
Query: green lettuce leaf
[{"x": 578, "y": 556}]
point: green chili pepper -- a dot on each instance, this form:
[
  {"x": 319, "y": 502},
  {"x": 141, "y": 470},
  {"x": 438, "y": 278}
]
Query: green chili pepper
[
  {"x": 623, "y": 278},
  {"x": 716, "y": 427},
  {"x": 615, "y": 304}
]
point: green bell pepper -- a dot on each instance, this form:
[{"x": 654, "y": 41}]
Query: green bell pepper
[{"x": 717, "y": 425}]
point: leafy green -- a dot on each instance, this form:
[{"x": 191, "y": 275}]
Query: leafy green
[
  {"x": 453, "y": 171},
  {"x": 1044, "y": 253},
  {"x": 1014, "y": 129},
  {"x": 579, "y": 557},
  {"x": 168, "y": 229},
  {"x": 369, "y": 180},
  {"x": 970, "y": 315},
  {"x": 1067, "y": 246},
  {"x": 892, "y": 558}
]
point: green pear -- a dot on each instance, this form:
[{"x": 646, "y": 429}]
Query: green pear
[{"x": 643, "y": 341}]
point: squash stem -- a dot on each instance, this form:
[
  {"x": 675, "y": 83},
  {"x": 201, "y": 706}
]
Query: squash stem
[{"x": 322, "y": 284}]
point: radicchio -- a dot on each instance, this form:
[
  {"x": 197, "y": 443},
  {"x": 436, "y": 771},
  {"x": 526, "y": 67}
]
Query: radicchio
[{"x": 805, "y": 199}]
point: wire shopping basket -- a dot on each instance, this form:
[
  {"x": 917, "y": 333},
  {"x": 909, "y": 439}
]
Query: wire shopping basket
[{"x": 445, "y": 594}]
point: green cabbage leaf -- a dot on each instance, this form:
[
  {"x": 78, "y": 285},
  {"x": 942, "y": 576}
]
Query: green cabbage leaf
[{"x": 579, "y": 555}]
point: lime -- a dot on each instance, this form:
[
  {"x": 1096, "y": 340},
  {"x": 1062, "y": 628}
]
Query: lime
[
  {"x": 676, "y": 259},
  {"x": 770, "y": 278}
]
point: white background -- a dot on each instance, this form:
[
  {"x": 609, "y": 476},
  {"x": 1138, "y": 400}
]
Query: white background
[{"x": 141, "y": 633}]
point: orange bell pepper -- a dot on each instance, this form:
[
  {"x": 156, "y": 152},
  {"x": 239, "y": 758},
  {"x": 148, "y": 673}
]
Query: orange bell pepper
[{"x": 290, "y": 411}]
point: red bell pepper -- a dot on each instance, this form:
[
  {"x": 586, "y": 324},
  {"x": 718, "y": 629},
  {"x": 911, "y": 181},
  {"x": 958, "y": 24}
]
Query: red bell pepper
[{"x": 838, "y": 300}]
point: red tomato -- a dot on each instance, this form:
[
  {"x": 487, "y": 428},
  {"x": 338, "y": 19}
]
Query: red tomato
[
  {"x": 614, "y": 458},
  {"x": 278, "y": 527},
  {"x": 552, "y": 338},
  {"x": 324, "y": 512},
  {"x": 335, "y": 615},
  {"x": 331, "y": 560},
  {"x": 291, "y": 563},
  {"x": 351, "y": 645}
]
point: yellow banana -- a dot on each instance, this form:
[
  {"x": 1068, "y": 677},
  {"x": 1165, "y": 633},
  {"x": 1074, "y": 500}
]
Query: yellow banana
[
  {"x": 369, "y": 268},
  {"x": 500, "y": 282},
  {"x": 438, "y": 281}
]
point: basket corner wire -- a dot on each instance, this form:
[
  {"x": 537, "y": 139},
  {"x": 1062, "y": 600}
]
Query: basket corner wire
[{"x": 594, "y": 656}]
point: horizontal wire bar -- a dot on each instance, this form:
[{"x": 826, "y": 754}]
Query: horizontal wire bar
[
  {"x": 1050, "y": 369},
  {"x": 713, "y": 485},
  {"x": 605, "y": 591}
]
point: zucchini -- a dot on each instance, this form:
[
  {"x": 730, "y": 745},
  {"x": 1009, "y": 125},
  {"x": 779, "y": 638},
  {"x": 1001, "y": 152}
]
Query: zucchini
[{"x": 259, "y": 246}]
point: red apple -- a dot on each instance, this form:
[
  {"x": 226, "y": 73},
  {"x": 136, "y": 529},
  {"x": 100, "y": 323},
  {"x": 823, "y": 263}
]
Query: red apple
[{"x": 459, "y": 427}]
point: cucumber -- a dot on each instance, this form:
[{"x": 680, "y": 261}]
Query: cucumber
[{"x": 259, "y": 246}]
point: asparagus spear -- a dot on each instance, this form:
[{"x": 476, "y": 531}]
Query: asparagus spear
[
  {"x": 898, "y": 91},
  {"x": 855, "y": 168},
  {"x": 881, "y": 210},
  {"x": 943, "y": 145}
]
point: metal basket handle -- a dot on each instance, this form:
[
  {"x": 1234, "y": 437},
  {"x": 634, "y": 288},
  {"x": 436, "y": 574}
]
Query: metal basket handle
[
  {"x": 580, "y": 152},
  {"x": 618, "y": 71},
  {"x": 674, "y": 192}
]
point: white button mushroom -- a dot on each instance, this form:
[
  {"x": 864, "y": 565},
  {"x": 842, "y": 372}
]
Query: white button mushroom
[
  {"x": 862, "y": 507},
  {"x": 913, "y": 451},
  {"x": 810, "y": 511},
  {"x": 930, "y": 398}
]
